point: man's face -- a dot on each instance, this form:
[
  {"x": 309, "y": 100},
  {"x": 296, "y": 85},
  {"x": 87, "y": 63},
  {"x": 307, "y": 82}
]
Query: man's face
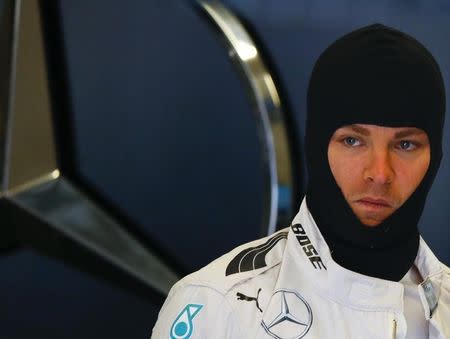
[{"x": 378, "y": 168}]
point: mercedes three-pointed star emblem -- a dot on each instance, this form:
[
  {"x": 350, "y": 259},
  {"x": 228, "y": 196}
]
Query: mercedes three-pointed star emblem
[{"x": 294, "y": 319}]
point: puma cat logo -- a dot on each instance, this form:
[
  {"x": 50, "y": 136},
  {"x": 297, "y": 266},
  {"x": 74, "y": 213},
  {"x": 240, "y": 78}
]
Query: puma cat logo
[{"x": 241, "y": 296}]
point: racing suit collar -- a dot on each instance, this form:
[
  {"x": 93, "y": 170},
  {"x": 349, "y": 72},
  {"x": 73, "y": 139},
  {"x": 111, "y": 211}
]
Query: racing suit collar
[{"x": 339, "y": 284}]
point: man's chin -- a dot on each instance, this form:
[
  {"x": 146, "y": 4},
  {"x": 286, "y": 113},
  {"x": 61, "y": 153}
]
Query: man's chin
[
  {"x": 371, "y": 219},
  {"x": 370, "y": 222}
]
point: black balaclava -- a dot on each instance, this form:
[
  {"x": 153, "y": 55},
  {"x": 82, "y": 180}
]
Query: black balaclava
[{"x": 380, "y": 76}]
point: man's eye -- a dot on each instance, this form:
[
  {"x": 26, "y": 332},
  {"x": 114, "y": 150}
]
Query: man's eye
[
  {"x": 351, "y": 141},
  {"x": 407, "y": 145}
]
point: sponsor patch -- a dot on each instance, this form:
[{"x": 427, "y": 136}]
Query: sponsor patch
[
  {"x": 242, "y": 296},
  {"x": 183, "y": 327},
  {"x": 287, "y": 316},
  {"x": 308, "y": 247},
  {"x": 253, "y": 258}
]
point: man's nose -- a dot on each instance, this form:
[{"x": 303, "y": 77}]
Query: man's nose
[{"x": 379, "y": 167}]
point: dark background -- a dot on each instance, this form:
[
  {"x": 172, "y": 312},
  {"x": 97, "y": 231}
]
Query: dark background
[{"x": 164, "y": 130}]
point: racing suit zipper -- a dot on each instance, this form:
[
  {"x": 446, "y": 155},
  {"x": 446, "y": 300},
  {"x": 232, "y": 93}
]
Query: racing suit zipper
[{"x": 394, "y": 329}]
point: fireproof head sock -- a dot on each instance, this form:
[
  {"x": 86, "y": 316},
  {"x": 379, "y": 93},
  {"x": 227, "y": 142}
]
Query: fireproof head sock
[{"x": 380, "y": 76}]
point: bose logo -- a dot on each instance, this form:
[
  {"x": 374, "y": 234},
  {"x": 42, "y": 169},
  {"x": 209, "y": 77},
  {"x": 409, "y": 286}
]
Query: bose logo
[{"x": 309, "y": 249}]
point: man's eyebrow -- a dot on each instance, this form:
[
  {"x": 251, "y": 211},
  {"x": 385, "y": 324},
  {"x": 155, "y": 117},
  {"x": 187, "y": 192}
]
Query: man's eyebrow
[
  {"x": 360, "y": 130},
  {"x": 401, "y": 134},
  {"x": 408, "y": 132}
]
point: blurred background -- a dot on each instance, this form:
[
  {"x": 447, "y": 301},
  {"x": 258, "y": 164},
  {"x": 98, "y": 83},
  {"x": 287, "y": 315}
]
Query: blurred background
[{"x": 163, "y": 132}]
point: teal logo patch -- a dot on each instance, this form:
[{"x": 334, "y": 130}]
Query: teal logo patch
[{"x": 183, "y": 327}]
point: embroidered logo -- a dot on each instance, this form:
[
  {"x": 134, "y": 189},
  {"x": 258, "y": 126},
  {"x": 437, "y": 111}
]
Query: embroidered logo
[
  {"x": 241, "y": 296},
  {"x": 182, "y": 326},
  {"x": 308, "y": 248},
  {"x": 253, "y": 258},
  {"x": 288, "y": 313}
]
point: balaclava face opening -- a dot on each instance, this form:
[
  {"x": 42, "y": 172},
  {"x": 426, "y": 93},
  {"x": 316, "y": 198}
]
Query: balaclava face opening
[{"x": 379, "y": 76}]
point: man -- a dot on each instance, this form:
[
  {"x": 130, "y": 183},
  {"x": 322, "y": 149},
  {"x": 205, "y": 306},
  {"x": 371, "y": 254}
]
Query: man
[{"x": 352, "y": 264}]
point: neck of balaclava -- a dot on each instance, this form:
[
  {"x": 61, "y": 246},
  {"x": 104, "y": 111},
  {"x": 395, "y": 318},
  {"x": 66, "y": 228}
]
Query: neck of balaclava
[{"x": 386, "y": 251}]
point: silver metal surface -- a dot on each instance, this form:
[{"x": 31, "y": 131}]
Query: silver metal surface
[
  {"x": 32, "y": 180},
  {"x": 9, "y": 26},
  {"x": 70, "y": 212},
  {"x": 270, "y": 117},
  {"x": 30, "y": 151}
]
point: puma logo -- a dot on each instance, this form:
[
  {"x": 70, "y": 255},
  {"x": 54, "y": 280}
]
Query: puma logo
[{"x": 241, "y": 296}]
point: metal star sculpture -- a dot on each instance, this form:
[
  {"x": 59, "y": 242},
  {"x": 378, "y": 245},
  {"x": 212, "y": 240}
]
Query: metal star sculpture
[
  {"x": 44, "y": 206},
  {"x": 41, "y": 207}
]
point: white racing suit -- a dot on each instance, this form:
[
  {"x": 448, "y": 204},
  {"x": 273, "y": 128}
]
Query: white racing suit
[{"x": 288, "y": 286}]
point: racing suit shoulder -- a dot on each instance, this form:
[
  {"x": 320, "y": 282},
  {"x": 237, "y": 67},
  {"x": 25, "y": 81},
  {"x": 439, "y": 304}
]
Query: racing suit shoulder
[
  {"x": 210, "y": 302},
  {"x": 196, "y": 311},
  {"x": 241, "y": 264}
]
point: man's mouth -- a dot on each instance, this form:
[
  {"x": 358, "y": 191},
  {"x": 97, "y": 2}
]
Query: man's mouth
[{"x": 374, "y": 203}]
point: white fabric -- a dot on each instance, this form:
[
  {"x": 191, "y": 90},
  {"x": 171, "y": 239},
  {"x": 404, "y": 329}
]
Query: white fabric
[
  {"x": 303, "y": 293},
  {"x": 417, "y": 325}
]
